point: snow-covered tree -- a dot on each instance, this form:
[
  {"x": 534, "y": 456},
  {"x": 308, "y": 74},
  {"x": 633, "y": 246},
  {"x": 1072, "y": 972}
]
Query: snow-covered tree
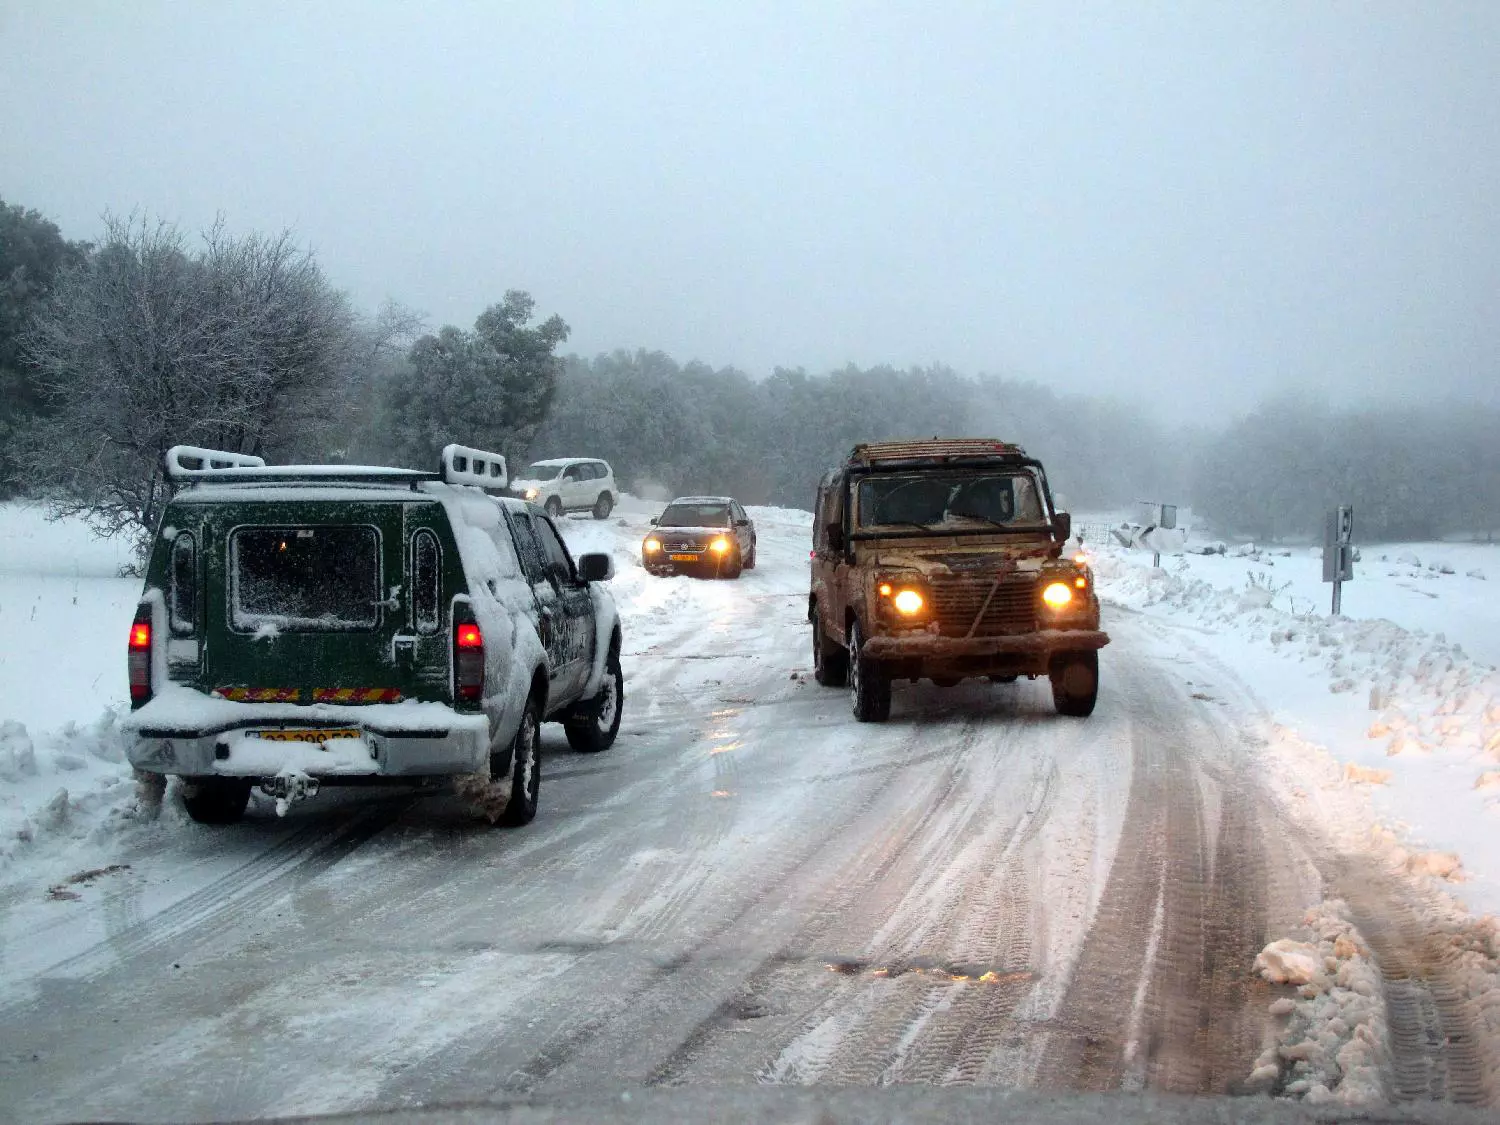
[
  {"x": 239, "y": 343},
  {"x": 491, "y": 387}
]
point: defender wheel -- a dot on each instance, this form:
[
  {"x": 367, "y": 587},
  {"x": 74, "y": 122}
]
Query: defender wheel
[
  {"x": 217, "y": 800},
  {"x": 1075, "y": 683},
  {"x": 946, "y": 681},
  {"x": 830, "y": 661},
  {"x": 526, "y": 771},
  {"x": 603, "y": 506},
  {"x": 872, "y": 687},
  {"x": 591, "y": 733},
  {"x": 553, "y": 507}
]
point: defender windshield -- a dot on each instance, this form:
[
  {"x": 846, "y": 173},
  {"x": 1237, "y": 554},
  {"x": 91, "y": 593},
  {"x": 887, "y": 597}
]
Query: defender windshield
[
  {"x": 694, "y": 515},
  {"x": 541, "y": 472},
  {"x": 951, "y": 501},
  {"x": 304, "y": 579}
]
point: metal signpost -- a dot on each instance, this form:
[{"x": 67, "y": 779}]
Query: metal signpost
[
  {"x": 1163, "y": 516},
  {"x": 1338, "y": 555}
]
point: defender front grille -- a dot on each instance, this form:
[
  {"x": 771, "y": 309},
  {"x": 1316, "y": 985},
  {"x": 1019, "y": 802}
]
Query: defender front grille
[{"x": 956, "y": 601}]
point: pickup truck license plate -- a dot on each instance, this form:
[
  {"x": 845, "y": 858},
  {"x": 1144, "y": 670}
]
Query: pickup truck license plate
[{"x": 305, "y": 735}]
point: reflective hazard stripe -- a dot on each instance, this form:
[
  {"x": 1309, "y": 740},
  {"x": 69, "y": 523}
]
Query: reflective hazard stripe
[{"x": 319, "y": 695}]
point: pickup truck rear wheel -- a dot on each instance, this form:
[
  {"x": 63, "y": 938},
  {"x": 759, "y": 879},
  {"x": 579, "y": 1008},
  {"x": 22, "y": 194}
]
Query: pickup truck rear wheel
[
  {"x": 596, "y": 728},
  {"x": 526, "y": 769},
  {"x": 217, "y": 800},
  {"x": 830, "y": 659},
  {"x": 1075, "y": 683},
  {"x": 872, "y": 687}
]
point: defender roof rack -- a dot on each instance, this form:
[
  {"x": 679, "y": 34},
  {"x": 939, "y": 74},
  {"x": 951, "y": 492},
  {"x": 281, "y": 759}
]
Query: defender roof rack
[
  {"x": 459, "y": 464},
  {"x": 933, "y": 451}
]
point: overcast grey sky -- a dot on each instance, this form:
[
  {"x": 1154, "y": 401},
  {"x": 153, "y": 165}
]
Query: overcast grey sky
[{"x": 1192, "y": 205}]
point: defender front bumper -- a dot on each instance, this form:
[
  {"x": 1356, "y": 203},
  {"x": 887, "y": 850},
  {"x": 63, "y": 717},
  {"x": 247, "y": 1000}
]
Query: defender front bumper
[{"x": 1043, "y": 643}]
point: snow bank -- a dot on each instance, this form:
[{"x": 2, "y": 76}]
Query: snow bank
[
  {"x": 1413, "y": 702},
  {"x": 1331, "y": 1035},
  {"x": 62, "y": 790}
]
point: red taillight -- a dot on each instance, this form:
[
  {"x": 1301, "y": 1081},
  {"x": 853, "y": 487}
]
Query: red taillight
[
  {"x": 139, "y": 658},
  {"x": 468, "y": 662}
]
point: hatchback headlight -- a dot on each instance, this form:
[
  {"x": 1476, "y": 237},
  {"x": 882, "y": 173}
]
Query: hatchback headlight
[
  {"x": 719, "y": 546},
  {"x": 651, "y": 546},
  {"x": 532, "y": 494}
]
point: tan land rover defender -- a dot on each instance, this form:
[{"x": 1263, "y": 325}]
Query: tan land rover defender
[{"x": 943, "y": 560}]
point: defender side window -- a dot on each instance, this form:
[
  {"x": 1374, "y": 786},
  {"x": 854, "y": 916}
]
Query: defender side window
[
  {"x": 426, "y": 581},
  {"x": 183, "y": 600}
]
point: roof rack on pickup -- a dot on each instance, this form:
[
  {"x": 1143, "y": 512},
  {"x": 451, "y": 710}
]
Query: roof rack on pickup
[
  {"x": 188, "y": 464},
  {"x": 933, "y": 450}
]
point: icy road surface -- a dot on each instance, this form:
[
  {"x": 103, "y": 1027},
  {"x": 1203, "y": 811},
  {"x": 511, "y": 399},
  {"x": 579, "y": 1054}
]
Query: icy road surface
[{"x": 749, "y": 888}]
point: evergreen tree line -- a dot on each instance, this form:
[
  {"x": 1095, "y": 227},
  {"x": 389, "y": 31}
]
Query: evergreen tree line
[{"x": 112, "y": 352}]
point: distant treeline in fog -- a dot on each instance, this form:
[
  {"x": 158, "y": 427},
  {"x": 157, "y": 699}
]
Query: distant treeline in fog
[{"x": 111, "y": 352}]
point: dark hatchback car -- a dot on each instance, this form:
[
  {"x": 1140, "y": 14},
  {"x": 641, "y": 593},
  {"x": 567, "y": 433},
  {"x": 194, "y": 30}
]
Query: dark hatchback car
[{"x": 709, "y": 535}]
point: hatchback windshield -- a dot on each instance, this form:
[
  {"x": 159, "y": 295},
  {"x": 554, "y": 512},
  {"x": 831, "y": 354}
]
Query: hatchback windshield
[
  {"x": 305, "y": 578},
  {"x": 694, "y": 515},
  {"x": 953, "y": 501},
  {"x": 541, "y": 472}
]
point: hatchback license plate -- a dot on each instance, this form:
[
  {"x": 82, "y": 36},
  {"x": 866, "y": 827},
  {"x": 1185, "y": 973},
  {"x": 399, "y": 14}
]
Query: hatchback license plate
[
  {"x": 304, "y": 735},
  {"x": 684, "y": 558}
]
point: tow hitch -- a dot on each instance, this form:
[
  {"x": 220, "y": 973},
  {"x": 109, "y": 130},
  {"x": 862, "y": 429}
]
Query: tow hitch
[{"x": 287, "y": 787}]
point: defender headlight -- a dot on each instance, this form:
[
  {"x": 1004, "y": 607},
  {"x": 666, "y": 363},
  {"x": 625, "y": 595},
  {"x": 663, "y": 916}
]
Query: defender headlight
[
  {"x": 908, "y": 602},
  {"x": 1057, "y": 595},
  {"x": 651, "y": 546}
]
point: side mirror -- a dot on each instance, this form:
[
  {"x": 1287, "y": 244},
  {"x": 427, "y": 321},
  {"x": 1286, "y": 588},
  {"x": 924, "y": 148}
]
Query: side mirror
[
  {"x": 1062, "y": 526},
  {"x": 834, "y": 533},
  {"x": 653, "y": 521},
  {"x": 597, "y": 567},
  {"x": 741, "y": 523}
]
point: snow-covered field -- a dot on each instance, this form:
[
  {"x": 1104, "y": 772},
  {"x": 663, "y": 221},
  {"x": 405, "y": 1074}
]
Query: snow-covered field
[{"x": 751, "y": 888}]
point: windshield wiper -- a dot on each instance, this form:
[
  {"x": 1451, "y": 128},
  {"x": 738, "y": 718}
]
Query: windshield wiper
[{"x": 976, "y": 516}]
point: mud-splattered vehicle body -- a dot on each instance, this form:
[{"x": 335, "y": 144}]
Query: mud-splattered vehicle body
[{"x": 943, "y": 560}]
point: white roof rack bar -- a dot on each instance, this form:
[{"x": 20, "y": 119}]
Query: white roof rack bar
[
  {"x": 184, "y": 462},
  {"x": 478, "y": 467}
]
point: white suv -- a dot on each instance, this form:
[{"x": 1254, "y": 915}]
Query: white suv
[{"x": 568, "y": 484}]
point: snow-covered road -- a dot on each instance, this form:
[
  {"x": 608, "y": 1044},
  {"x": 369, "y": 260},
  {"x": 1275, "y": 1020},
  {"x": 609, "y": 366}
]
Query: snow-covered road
[{"x": 749, "y": 888}]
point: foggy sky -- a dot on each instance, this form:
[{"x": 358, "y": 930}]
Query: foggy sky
[{"x": 1189, "y": 206}]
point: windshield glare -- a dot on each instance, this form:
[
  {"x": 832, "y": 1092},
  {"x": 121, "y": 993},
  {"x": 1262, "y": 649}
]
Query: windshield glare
[
  {"x": 541, "y": 472},
  {"x": 951, "y": 501},
  {"x": 694, "y": 515}
]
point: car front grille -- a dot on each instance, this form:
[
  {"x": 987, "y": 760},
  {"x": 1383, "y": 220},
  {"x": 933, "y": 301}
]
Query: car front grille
[
  {"x": 956, "y": 601},
  {"x": 684, "y": 546}
]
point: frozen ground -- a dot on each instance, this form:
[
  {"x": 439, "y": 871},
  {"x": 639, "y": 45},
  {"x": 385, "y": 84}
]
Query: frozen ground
[{"x": 752, "y": 889}]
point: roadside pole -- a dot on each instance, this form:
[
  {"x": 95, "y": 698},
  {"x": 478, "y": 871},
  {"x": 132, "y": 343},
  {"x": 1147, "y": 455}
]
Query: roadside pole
[{"x": 1338, "y": 554}]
